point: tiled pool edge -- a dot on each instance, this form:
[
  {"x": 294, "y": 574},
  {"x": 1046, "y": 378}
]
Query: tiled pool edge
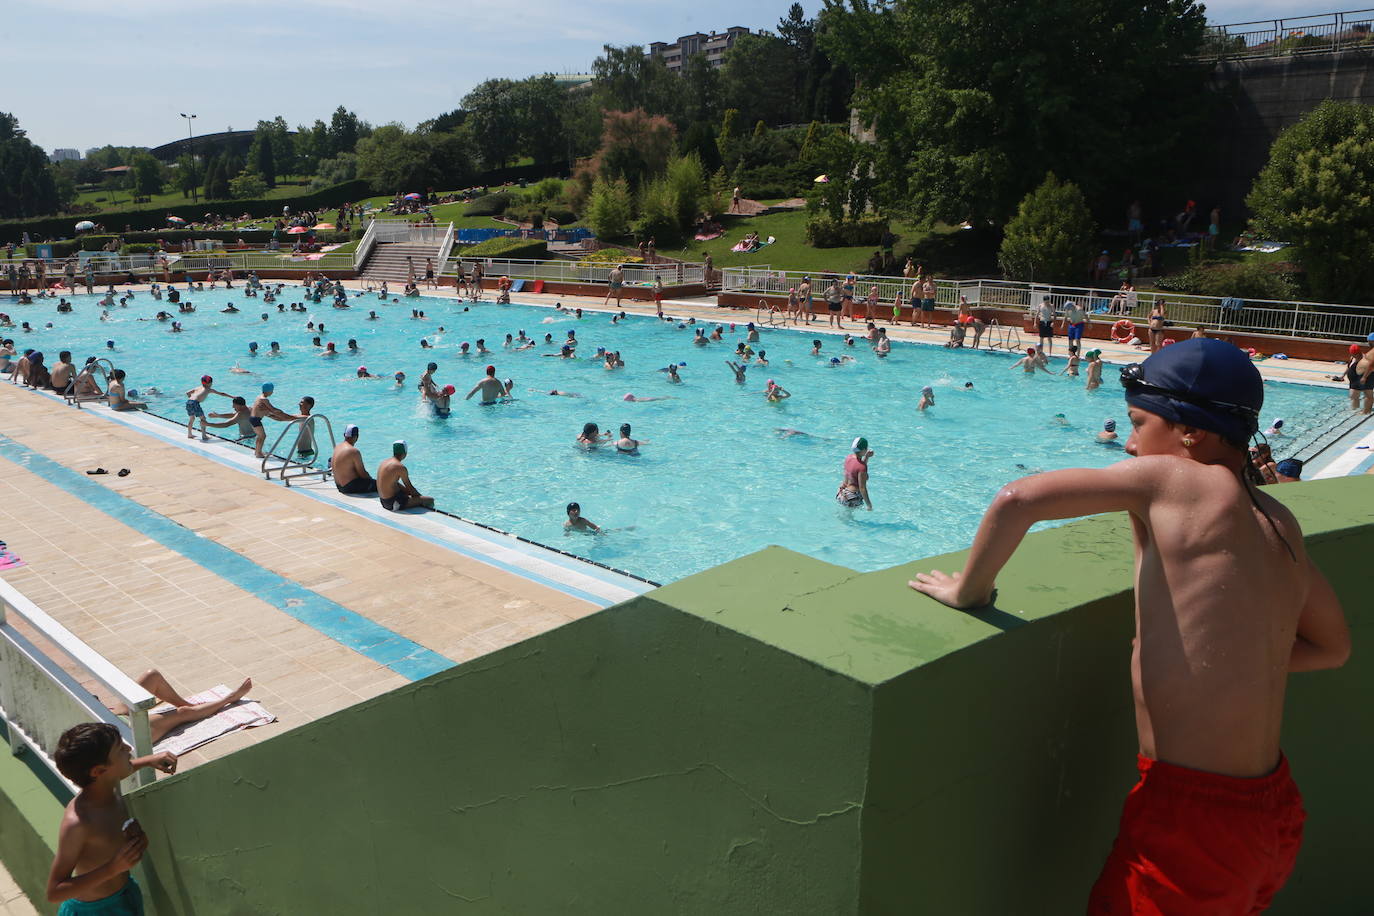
[{"x": 586, "y": 581}]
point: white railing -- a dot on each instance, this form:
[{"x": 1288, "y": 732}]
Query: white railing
[
  {"x": 1261, "y": 316},
  {"x": 1294, "y": 35},
  {"x": 446, "y": 246},
  {"x": 672, "y": 273},
  {"x": 239, "y": 261},
  {"x": 39, "y": 699},
  {"x": 365, "y": 245}
]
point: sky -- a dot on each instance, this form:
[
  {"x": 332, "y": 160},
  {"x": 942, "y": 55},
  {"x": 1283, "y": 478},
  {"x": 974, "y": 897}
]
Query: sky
[{"x": 122, "y": 72}]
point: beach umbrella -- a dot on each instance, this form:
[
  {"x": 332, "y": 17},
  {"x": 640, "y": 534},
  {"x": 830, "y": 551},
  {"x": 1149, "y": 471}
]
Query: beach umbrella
[
  {"x": 175, "y": 219},
  {"x": 84, "y": 225},
  {"x": 297, "y": 230},
  {"x": 822, "y": 179},
  {"x": 412, "y": 196}
]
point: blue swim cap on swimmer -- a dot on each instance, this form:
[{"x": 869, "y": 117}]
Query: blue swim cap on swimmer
[
  {"x": 109, "y": 344},
  {"x": 268, "y": 388},
  {"x": 1205, "y": 383}
]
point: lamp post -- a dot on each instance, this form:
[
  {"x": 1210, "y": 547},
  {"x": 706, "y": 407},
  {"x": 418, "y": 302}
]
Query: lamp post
[{"x": 190, "y": 142}]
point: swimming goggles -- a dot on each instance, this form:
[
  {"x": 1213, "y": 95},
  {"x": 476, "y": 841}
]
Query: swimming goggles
[{"x": 1133, "y": 379}]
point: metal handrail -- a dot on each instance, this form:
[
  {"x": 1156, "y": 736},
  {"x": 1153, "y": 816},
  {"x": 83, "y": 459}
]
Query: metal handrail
[
  {"x": 446, "y": 246},
  {"x": 1294, "y": 318},
  {"x": 30, "y": 674},
  {"x": 1316, "y": 33},
  {"x": 292, "y": 466},
  {"x": 567, "y": 271},
  {"x": 365, "y": 245},
  {"x": 78, "y": 399}
]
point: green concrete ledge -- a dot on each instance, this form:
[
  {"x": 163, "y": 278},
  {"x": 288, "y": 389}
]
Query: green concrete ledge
[
  {"x": 31, "y": 805},
  {"x": 776, "y": 734}
]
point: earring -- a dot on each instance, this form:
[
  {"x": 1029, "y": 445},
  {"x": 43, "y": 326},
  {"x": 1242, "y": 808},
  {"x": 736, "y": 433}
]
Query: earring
[{"x": 1187, "y": 441}]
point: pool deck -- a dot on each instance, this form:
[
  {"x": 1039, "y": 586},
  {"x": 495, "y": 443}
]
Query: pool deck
[{"x": 93, "y": 565}]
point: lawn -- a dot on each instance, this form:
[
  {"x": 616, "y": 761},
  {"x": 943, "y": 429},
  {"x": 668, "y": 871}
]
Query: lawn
[
  {"x": 123, "y": 200},
  {"x": 791, "y": 250}
]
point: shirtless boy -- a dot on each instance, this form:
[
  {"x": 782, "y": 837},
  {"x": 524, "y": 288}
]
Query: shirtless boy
[
  {"x": 97, "y": 843},
  {"x": 1227, "y": 604},
  {"x": 394, "y": 486},
  {"x": 350, "y": 474},
  {"x": 1094, "y": 370},
  {"x": 262, "y": 409},
  {"x": 195, "y": 406}
]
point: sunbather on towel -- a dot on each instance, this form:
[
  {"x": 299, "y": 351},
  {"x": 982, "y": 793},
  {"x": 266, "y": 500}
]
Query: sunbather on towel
[{"x": 162, "y": 724}]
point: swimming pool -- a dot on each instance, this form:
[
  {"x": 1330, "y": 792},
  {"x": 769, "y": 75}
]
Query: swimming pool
[{"x": 716, "y": 478}]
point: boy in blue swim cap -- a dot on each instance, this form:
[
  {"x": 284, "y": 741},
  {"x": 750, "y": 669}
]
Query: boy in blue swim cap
[
  {"x": 263, "y": 409},
  {"x": 1223, "y": 589}
]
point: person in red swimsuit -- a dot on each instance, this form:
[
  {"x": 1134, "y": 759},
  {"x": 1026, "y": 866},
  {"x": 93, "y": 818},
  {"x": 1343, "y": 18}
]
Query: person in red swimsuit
[{"x": 1227, "y": 604}]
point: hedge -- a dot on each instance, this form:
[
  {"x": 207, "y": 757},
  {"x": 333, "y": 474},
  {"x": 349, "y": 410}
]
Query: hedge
[
  {"x": 59, "y": 227},
  {"x": 488, "y": 205},
  {"x": 507, "y": 246},
  {"x": 823, "y": 232}
]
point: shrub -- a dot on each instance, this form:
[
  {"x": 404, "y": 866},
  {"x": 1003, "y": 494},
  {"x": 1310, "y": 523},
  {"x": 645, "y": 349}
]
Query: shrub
[
  {"x": 140, "y": 248},
  {"x": 507, "y": 246},
  {"x": 560, "y": 214},
  {"x": 247, "y": 185},
  {"x": 657, "y": 209},
  {"x": 1051, "y": 236},
  {"x": 488, "y": 205},
  {"x": 824, "y": 232},
  {"x": 549, "y": 189},
  {"x": 1248, "y": 279},
  {"x": 609, "y": 209}
]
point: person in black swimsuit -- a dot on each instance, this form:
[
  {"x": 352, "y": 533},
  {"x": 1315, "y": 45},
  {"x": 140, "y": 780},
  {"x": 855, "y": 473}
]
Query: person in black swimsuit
[{"x": 1361, "y": 383}]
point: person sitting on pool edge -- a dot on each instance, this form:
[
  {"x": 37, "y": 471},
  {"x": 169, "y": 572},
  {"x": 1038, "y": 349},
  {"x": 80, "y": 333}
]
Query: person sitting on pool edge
[
  {"x": 350, "y": 474},
  {"x": 1227, "y": 604},
  {"x": 393, "y": 483}
]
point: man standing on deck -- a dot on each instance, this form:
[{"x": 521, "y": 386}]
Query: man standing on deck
[{"x": 350, "y": 474}]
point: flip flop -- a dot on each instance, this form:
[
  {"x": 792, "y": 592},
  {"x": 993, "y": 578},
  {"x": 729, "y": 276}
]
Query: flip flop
[
  {"x": 124, "y": 472},
  {"x": 97, "y": 471}
]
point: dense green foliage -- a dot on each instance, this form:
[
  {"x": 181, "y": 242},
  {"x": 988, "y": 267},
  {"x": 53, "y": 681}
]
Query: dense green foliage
[
  {"x": 27, "y": 186},
  {"x": 825, "y": 232},
  {"x": 506, "y": 246},
  {"x": 973, "y": 101},
  {"x": 1051, "y": 237},
  {"x": 1249, "y": 279},
  {"x": 1316, "y": 192},
  {"x": 488, "y": 205},
  {"x": 610, "y": 208},
  {"x": 395, "y": 160}
]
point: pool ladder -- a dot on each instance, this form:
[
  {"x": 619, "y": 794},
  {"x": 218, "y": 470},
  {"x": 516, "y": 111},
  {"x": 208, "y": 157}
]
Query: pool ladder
[
  {"x": 1003, "y": 336},
  {"x": 293, "y": 465},
  {"x": 102, "y": 368}
]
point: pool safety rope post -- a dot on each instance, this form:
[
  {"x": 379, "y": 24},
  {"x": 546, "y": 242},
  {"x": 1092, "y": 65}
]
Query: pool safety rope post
[{"x": 301, "y": 456}]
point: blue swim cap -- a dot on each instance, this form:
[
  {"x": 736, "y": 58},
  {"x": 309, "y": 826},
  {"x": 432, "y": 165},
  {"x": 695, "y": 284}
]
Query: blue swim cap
[
  {"x": 268, "y": 387},
  {"x": 110, "y": 344},
  {"x": 133, "y": 392},
  {"x": 1205, "y": 383},
  {"x": 834, "y": 360},
  {"x": 252, "y": 344}
]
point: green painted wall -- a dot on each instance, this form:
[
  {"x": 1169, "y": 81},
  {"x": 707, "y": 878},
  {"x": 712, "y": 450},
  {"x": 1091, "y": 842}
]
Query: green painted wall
[
  {"x": 31, "y": 804},
  {"x": 774, "y": 735}
]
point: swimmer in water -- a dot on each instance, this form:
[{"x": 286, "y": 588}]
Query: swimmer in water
[
  {"x": 884, "y": 346},
  {"x": 400, "y": 378},
  {"x": 671, "y": 369},
  {"x": 576, "y": 522},
  {"x": 815, "y": 348},
  {"x": 927, "y": 398},
  {"x": 738, "y": 370},
  {"x": 237, "y": 370},
  {"x": 1029, "y": 363},
  {"x": 626, "y": 445},
  {"x": 1072, "y": 368},
  {"x": 775, "y": 392},
  {"x": 762, "y": 358},
  {"x": 1094, "y": 370},
  {"x": 564, "y": 394},
  {"x": 1108, "y": 433},
  {"x": 363, "y": 373},
  {"x": 634, "y": 397},
  {"x": 592, "y": 436}
]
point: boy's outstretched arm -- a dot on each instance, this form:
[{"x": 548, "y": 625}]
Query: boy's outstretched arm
[
  {"x": 1125, "y": 486},
  {"x": 1323, "y": 639}
]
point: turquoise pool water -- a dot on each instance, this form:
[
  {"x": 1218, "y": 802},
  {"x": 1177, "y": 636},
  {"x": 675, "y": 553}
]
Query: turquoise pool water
[{"x": 716, "y": 480}]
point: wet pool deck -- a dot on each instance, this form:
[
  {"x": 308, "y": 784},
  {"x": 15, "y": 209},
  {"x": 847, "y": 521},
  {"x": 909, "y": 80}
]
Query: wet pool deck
[{"x": 144, "y": 604}]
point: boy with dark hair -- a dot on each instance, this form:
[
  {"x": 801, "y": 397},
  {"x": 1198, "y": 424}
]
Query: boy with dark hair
[
  {"x": 98, "y": 843},
  {"x": 1227, "y": 604}
]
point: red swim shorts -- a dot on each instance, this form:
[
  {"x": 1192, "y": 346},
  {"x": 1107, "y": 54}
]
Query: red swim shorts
[{"x": 1200, "y": 843}]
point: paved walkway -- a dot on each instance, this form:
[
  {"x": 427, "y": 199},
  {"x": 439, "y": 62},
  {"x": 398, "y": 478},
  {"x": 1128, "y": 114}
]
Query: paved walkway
[
  {"x": 144, "y": 604},
  {"x": 12, "y": 899}
]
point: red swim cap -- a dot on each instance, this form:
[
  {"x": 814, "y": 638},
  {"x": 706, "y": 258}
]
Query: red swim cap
[
  {"x": 491, "y": 370},
  {"x": 449, "y": 389},
  {"x": 1354, "y": 348},
  {"x": 206, "y": 380}
]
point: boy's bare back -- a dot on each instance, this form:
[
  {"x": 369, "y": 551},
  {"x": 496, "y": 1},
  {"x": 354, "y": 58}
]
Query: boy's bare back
[{"x": 1218, "y": 598}]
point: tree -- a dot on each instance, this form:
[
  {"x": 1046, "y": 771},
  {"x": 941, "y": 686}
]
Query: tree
[
  {"x": 217, "y": 179},
  {"x": 189, "y": 174},
  {"x": 247, "y": 185},
  {"x": 312, "y": 145},
  {"x": 1315, "y": 193},
  {"x": 538, "y": 101},
  {"x": 1050, "y": 239},
  {"x": 343, "y": 167},
  {"x": 849, "y": 166},
  {"x": 686, "y": 181},
  {"x": 973, "y": 101},
  {"x": 635, "y": 145},
  {"x": 27, "y": 185},
  {"x": 345, "y": 131},
  {"x": 147, "y": 174},
  {"x": 261, "y": 158},
  {"x": 394, "y": 160},
  {"x": 625, "y": 79},
  {"x": 491, "y": 108},
  {"x": 701, "y": 92},
  {"x": 758, "y": 78},
  {"x": 609, "y": 209}
]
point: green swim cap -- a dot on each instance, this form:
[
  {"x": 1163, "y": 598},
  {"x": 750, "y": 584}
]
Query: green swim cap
[{"x": 398, "y": 448}]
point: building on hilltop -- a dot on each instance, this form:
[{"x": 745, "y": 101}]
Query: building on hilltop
[
  {"x": 713, "y": 46},
  {"x": 65, "y": 155}
]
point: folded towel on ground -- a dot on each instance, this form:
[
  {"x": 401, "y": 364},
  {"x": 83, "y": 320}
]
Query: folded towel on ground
[{"x": 241, "y": 715}]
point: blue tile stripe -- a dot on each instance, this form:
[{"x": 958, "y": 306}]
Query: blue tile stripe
[{"x": 348, "y": 628}]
